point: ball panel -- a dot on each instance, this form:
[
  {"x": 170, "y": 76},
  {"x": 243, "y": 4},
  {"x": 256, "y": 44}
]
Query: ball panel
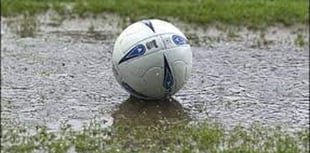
[
  {"x": 181, "y": 53},
  {"x": 131, "y": 35},
  {"x": 151, "y": 78},
  {"x": 132, "y": 91},
  {"x": 137, "y": 84},
  {"x": 180, "y": 59},
  {"x": 138, "y": 66},
  {"x": 180, "y": 71}
]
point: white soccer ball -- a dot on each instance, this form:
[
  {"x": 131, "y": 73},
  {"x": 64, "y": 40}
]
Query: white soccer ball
[{"x": 152, "y": 59}]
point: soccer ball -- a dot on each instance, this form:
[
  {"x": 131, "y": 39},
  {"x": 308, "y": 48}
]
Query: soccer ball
[{"x": 152, "y": 59}]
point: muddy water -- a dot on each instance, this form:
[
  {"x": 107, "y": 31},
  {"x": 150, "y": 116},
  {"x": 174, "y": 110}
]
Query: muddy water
[{"x": 63, "y": 75}]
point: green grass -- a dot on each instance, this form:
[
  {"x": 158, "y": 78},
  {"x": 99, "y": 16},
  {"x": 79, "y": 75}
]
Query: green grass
[
  {"x": 183, "y": 138},
  {"x": 250, "y": 13}
]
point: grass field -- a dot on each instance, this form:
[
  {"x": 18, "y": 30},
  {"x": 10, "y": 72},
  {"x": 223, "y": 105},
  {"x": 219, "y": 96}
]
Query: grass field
[
  {"x": 250, "y": 13},
  {"x": 180, "y": 138}
]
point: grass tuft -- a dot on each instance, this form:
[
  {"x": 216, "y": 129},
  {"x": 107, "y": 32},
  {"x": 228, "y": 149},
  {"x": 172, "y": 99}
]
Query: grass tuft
[
  {"x": 300, "y": 40},
  {"x": 28, "y": 26}
]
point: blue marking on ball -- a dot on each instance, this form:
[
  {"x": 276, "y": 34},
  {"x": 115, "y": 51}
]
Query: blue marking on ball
[
  {"x": 134, "y": 52},
  {"x": 179, "y": 40},
  {"x": 168, "y": 77},
  {"x": 149, "y": 24}
]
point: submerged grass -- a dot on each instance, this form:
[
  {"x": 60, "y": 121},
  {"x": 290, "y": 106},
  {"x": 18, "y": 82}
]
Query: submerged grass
[
  {"x": 300, "y": 40},
  {"x": 254, "y": 13},
  {"x": 28, "y": 27},
  {"x": 158, "y": 138}
]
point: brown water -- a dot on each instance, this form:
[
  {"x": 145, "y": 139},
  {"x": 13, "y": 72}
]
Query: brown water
[{"x": 63, "y": 74}]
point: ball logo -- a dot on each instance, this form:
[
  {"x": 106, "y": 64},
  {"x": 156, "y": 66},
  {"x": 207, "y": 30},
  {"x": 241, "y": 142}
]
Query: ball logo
[
  {"x": 135, "y": 52},
  {"x": 151, "y": 44},
  {"x": 179, "y": 40}
]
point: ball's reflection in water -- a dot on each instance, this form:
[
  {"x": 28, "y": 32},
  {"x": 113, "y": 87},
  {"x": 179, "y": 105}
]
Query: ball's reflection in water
[{"x": 139, "y": 112}]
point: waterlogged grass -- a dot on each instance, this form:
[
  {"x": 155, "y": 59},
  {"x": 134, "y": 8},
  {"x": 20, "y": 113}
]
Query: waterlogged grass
[
  {"x": 254, "y": 13},
  {"x": 28, "y": 27},
  {"x": 181, "y": 138},
  {"x": 300, "y": 40}
]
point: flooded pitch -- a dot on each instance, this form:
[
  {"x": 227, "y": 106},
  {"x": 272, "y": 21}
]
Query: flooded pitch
[{"x": 64, "y": 75}]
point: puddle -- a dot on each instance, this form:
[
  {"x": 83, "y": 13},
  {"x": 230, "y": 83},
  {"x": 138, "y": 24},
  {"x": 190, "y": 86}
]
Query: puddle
[{"x": 64, "y": 75}]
